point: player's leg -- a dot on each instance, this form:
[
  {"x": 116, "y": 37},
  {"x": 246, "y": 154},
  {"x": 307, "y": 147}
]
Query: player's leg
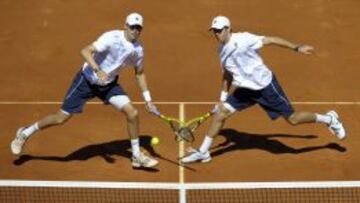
[
  {"x": 218, "y": 121},
  {"x": 24, "y": 133},
  {"x": 240, "y": 100},
  {"x": 77, "y": 95},
  {"x": 273, "y": 99},
  {"x": 57, "y": 118},
  {"x": 301, "y": 117},
  {"x": 122, "y": 103},
  {"x": 331, "y": 119},
  {"x": 132, "y": 118}
]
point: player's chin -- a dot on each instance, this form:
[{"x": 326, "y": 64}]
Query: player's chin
[{"x": 135, "y": 37}]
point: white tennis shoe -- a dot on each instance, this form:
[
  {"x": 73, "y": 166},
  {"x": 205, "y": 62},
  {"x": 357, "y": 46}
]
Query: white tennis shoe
[
  {"x": 335, "y": 126},
  {"x": 144, "y": 161},
  {"x": 18, "y": 143},
  {"x": 194, "y": 156}
]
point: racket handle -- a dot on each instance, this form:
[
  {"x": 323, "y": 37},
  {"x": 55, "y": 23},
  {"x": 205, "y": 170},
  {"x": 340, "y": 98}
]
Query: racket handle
[
  {"x": 156, "y": 112},
  {"x": 215, "y": 109}
]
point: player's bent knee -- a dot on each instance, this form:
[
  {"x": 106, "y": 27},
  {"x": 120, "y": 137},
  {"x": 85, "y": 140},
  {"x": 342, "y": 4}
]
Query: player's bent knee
[
  {"x": 228, "y": 108},
  {"x": 133, "y": 115},
  {"x": 292, "y": 119},
  {"x": 119, "y": 101},
  {"x": 61, "y": 117},
  {"x": 222, "y": 114},
  {"x": 226, "y": 111},
  {"x": 130, "y": 112}
]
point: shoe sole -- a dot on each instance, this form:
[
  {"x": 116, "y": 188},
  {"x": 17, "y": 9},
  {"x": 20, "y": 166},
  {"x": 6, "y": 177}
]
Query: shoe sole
[
  {"x": 12, "y": 149},
  {"x": 18, "y": 132},
  {"x": 207, "y": 160},
  {"x": 332, "y": 112},
  {"x": 141, "y": 166},
  {"x": 340, "y": 137},
  {"x": 137, "y": 165}
]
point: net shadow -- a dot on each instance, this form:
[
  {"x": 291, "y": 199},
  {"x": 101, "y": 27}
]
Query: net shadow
[{"x": 235, "y": 140}]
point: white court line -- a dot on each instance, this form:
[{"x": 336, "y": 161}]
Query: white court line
[
  {"x": 178, "y": 103},
  {"x": 176, "y": 186},
  {"x": 182, "y": 196},
  {"x": 181, "y": 143}
]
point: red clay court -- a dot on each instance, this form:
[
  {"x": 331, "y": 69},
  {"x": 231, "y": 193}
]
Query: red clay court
[{"x": 88, "y": 159}]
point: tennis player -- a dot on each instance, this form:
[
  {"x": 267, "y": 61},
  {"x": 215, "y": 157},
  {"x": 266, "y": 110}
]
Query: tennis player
[
  {"x": 252, "y": 82},
  {"x": 104, "y": 58}
]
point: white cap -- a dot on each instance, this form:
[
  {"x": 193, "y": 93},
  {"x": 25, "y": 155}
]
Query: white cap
[
  {"x": 219, "y": 22},
  {"x": 134, "y": 19}
]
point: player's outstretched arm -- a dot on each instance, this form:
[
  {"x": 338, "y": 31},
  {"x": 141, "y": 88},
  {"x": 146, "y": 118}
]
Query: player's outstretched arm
[
  {"x": 226, "y": 81},
  {"x": 301, "y": 48},
  {"x": 141, "y": 81}
]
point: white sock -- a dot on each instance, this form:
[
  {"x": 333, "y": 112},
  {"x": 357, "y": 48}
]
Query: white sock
[
  {"x": 31, "y": 130},
  {"x": 135, "y": 146},
  {"x": 206, "y": 144},
  {"x": 323, "y": 119}
]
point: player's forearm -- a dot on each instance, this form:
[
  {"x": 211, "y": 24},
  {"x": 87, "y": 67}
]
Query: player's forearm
[
  {"x": 281, "y": 42},
  {"x": 226, "y": 84},
  {"x": 226, "y": 81},
  {"x": 141, "y": 81},
  {"x": 87, "y": 53}
]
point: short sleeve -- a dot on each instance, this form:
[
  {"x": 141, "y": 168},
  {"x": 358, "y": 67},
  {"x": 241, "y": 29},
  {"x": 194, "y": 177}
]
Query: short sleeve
[
  {"x": 103, "y": 42},
  {"x": 254, "y": 41}
]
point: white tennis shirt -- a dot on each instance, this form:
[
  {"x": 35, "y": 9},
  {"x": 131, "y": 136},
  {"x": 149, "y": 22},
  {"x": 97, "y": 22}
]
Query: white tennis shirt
[
  {"x": 239, "y": 57},
  {"x": 113, "y": 52}
]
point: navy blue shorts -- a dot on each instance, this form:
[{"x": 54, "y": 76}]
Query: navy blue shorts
[
  {"x": 272, "y": 99},
  {"x": 81, "y": 91}
]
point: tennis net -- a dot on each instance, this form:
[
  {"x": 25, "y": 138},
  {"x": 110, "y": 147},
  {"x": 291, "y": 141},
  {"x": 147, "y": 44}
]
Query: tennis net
[{"x": 134, "y": 192}]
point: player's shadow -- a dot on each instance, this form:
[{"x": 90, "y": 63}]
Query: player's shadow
[
  {"x": 104, "y": 150},
  {"x": 235, "y": 140}
]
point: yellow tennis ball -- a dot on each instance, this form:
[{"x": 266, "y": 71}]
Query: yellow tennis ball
[{"x": 155, "y": 140}]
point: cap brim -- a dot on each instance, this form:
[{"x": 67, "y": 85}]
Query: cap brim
[
  {"x": 134, "y": 24},
  {"x": 211, "y": 28}
]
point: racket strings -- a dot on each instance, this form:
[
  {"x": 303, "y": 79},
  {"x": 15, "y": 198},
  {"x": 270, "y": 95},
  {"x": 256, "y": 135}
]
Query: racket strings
[
  {"x": 184, "y": 133},
  {"x": 185, "y": 130}
]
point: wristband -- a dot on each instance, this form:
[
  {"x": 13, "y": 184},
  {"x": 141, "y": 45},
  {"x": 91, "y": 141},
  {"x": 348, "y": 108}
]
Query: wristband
[
  {"x": 146, "y": 95},
  {"x": 223, "y": 96}
]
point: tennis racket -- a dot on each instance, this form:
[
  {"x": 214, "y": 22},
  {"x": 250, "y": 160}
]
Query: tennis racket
[
  {"x": 194, "y": 123},
  {"x": 185, "y": 131},
  {"x": 186, "y": 134},
  {"x": 175, "y": 124},
  {"x": 190, "y": 126}
]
